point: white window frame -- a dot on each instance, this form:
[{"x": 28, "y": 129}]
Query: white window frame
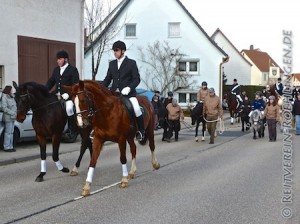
[
  {"x": 126, "y": 26},
  {"x": 174, "y": 29},
  {"x": 187, "y": 65}
]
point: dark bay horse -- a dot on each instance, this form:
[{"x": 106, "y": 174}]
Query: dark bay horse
[
  {"x": 48, "y": 120},
  {"x": 256, "y": 119},
  {"x": 197, "y": 118},
  {"x": 232, "y": 107},
  {"x": 95, "y": 104}
]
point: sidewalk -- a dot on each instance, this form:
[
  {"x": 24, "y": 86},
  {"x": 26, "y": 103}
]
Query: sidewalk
[{"x": 30, "y": 150}]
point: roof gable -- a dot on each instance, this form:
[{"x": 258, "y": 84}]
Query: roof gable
[
  {"x": 219, "y": 32},
  {"x": 261, "y": 59},
  {"x": 123, "y": 6}
]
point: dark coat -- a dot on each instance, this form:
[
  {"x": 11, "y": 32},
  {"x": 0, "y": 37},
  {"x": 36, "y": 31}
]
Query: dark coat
[
  {"x": 296, "y": 107},
  {"x": 237, "y": 90},
  {"x": 70, "y": 77},
  {"x": 127, "y": 76}
]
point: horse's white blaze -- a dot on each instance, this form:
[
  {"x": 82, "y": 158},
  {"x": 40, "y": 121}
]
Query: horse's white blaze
[
  {"x": 90, "y": 175},
  {"x": 43, "y": 166},
  {"x": 124, "y": 170},
  {"x": 77, "y": 108}
]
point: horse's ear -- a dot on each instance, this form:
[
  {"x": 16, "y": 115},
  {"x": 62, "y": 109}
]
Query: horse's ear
[
  {"x": 15, "y": 85},
  {"x": 81, "y": 84}
]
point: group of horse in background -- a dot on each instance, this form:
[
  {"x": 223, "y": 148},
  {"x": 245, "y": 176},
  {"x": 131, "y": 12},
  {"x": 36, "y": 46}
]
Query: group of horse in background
[{"x": 237, "y": 114}]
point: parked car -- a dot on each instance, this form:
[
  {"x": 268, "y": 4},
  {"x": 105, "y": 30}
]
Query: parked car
[{"x": 22, "y": 132}]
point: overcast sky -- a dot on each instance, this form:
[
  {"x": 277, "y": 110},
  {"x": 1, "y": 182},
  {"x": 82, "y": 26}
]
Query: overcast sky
[{"x": 256, "y": 22}]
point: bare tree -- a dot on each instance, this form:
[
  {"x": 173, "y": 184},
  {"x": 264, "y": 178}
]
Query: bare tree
[
  {"x": 99, "y": 18},
  {"x": 162, "y": 68}
]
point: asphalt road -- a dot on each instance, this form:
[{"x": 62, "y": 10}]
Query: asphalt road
[{"x": 236, "y": 180}]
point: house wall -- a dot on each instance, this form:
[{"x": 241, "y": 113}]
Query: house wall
[
  {"x": 52, "y": 20},
  {"x": 152, "y": 18},
  {"x": 237, "y": 67}
]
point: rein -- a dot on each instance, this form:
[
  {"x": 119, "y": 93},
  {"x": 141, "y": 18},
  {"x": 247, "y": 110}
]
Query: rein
[{"x": 41, "y": 107}]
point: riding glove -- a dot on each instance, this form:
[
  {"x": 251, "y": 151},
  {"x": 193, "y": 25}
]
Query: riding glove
[
  {"x": 65, "y": 96},
  {"x": 125, "y": 91}
]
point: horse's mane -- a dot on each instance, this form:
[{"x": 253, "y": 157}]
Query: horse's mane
[
  {"x": 37, "y": 87},
  {"x": 96, "y": 86}
]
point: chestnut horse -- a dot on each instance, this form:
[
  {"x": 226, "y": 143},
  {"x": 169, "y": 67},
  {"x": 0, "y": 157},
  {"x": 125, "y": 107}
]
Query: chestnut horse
[
  {"x": 96, "y": 104},
  {"x": 232, "y": 107},
  {"x": 48, "y": 120}
]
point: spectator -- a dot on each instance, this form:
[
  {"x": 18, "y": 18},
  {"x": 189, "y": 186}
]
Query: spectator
[
  {"x": 9, "y": 108},
  {"x": 296, "y": 113},
  {"x": 211, "y": 111},
  {"x": 175, "y": 113},
  {"x": 164, "y": 114},
  {"x": 271, "y": 112},
  {"x": 156, "y": 105}
]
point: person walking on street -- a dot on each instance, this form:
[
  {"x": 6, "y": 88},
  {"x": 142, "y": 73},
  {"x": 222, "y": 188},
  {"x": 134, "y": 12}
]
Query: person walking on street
[
  {"x": 9, "y": 108},
  {"x": 65, "y": 74},
  {"x": 272, "y": 114},
  {"x": 164, "y": 114},
  {"x": 212, "y": 111},
  {"x": 296, "y": 113},
  {"x": 124, "y": 75},
  {"x": 175, "y": 113}
]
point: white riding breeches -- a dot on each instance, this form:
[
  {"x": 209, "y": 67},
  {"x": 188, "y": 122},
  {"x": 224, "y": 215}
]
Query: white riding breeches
[
  {"x": 240, "y": 98},
  {"x": 136, "y": 106},
  {"x": 69, "y": 107}
]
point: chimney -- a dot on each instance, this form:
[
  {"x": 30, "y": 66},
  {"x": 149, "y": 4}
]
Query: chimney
[{"x": 251, "y": 47}]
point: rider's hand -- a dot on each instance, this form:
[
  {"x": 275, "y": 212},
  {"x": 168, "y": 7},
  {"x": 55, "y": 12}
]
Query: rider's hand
[
  {"x": 125, "y": 91},
  {"x": 65, "y": 96}
]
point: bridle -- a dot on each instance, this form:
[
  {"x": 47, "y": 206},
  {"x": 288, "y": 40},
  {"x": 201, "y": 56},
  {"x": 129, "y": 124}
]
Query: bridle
[
  {"x": 27, "y": 94},
  {"x": 91, "y": 110}
]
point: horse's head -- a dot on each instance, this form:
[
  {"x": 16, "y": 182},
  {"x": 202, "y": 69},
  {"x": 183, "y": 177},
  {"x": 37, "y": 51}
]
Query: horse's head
[
  {"x": 22, "y": 99},
  {"x": 83, "y": 102},
  {"x": 256, "y": 117}
]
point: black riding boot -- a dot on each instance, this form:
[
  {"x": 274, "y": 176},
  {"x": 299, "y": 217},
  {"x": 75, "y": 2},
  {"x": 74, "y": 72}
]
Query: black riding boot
[
  {"x": 71, "y": 134},
  {"x": 140, "y": 135}
]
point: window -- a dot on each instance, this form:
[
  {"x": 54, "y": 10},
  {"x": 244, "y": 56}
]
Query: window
[
  {"x": 265, "y": 75},
  {"x": 174, "y": 29},
  {"x": 182, "y": 97},
  {"x": 193, "y": 97},
  {"x": 190, "y": 67},
  {"x": 130, "y": 30}
]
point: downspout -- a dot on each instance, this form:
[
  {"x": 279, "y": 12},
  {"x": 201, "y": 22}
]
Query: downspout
[{"x": 225, "y": 60}]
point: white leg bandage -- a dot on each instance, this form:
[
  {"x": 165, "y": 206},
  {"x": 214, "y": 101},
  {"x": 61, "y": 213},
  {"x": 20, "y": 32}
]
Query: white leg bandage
[
  {"x": 90, "y": 175},
  {"x": 59, "y": 165},
  {"x": 136, "y": 106},
  {"x": 43, "y": 166},
  {"x": 69, "y": 107},
  {"x": 124, "y": 169}
]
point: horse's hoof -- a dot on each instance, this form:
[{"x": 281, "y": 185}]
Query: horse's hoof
[
  {"x": 156, "y": 166},
  {"x": 73, "y": 173},
  {"x": 85, "y": 192},
  {"x": 196, "y": 139},
  {"x": 124, "y": 182},
  {"x": 243, "y": 130},
  {"x": 231, "y": 123},
  {"x": 131, "y": 176},
  {"x": 65, "y": 170},
  {"x": 39, "y": 179}
]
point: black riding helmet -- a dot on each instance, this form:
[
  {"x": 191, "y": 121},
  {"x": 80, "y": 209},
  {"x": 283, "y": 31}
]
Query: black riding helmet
[
  {"x": 204, "y": 83},
  {"x": 62, "y": 54},
  {"x": 170, "y": 94},
  {"x": 259, "y": 93},
  {"x": 119, "y": 45}
]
